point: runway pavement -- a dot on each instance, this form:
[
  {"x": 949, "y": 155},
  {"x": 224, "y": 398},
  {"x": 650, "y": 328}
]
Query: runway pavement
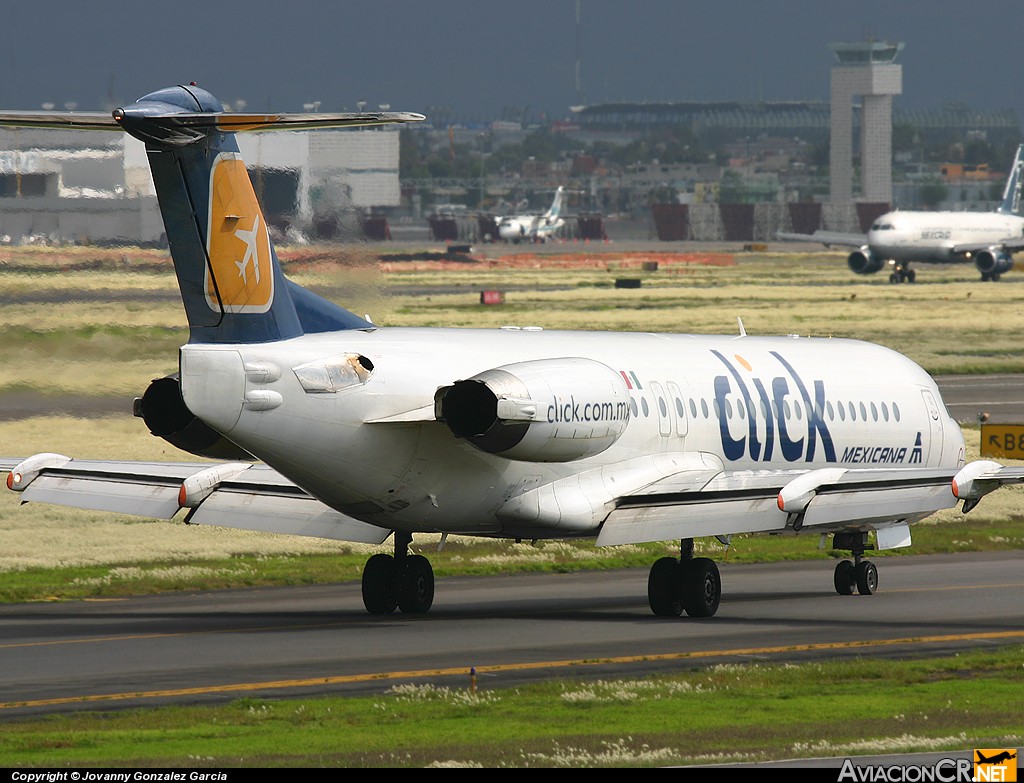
[{"x": 285, "y": 642}]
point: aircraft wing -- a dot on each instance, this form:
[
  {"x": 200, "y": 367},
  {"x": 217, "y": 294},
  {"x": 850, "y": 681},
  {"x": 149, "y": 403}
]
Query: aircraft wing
[
  {"x": 827, "y": 238},
  {"x": 1007, "y": 245},
  {"x": 247, "y": 496},
  {"x": 822, "y": 500}
]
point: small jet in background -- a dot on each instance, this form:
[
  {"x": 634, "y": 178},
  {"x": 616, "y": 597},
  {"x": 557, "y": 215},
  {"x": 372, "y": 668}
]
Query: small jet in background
[
  {"x": 897, "y": 238},
  {"x": 533, "y": 228}
]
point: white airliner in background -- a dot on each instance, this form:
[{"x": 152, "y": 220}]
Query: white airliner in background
[
  {"x": 533, "y": 228},
  {"x": 897, "y": 238},
  {"x": 327, "y": 425}
]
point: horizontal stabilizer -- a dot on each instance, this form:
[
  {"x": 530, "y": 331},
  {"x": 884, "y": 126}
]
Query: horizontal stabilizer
[
  {"x": 233, "y": 122},
  {"x": 60, "y": 120}
]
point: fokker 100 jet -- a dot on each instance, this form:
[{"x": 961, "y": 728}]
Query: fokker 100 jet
[
  {"x": 328, "y": 425},
  {"x": 897, "y": 238}
]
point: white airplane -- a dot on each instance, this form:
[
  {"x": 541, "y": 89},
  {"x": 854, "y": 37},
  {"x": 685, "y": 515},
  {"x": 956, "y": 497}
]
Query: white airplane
[
  {"x": 898, "y": 238},
  {"x": 533, "y": 228},
  {"x": 327, "y": 425}
]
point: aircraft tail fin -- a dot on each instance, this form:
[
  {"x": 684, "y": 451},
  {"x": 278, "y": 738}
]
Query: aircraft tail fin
[
  {"x": 556, "y": 205},
  {"x": 228, "y": 272},
  {"x": 1011, "y": 194}
]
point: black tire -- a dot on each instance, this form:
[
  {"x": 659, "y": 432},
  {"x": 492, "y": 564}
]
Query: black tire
[
  {"x": 894, "y": 278},
  {"x": 845, "y": 580},
  {"x": 702, "y": 587},
  {"x": 379, "y": 584},
  {"x": 415, "y": 585},
  {"x": 911, "y": 276},
  {"x": 664, "y": 589},
  {"x": 867, "y": 577}
]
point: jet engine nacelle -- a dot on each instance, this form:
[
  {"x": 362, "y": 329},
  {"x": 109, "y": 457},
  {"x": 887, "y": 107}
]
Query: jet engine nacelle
[
  {"x": 992, "y": 262},
  {"x": 864, "y": 262},
  {"x": 548, "y": 410},
  {"x": 164, "y": 411}
]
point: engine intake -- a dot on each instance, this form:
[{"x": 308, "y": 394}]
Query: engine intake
[
  {"x": 992, "y": 263},
  {"x": 864, "y": 262},
  {"x": 164, "y": 411},
  {"x": 548, "y": 410}
]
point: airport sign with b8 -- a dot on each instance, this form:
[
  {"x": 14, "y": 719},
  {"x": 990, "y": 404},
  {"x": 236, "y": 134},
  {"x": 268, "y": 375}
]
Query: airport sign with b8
[{"x": 1002, "y": 440}]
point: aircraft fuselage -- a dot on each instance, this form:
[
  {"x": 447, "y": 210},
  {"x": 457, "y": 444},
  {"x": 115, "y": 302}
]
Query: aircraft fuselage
[
  {"x": 370, "y": 444},
  {"x": 932, "y": 236}
]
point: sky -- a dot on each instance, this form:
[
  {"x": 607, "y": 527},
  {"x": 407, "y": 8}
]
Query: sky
[{"x": 478, "y": 59}]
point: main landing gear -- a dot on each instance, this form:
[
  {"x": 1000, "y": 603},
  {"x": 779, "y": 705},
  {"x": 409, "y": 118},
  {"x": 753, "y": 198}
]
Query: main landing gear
[
  {"x": 902, "y": 273},
  {"x": 689, "y": 584},
  {"x": 403, "y": 582},
  {"x": 860, "y": 574}
]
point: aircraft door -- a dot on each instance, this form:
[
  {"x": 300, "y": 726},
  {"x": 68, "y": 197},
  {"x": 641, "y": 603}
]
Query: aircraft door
[
  {"x": 934, "y": 444},
  {"x": 661, "y": 402},
  {"x": 678, "y": 407}
]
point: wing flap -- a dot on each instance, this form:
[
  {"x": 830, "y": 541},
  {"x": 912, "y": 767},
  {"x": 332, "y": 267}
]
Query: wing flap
[
  {"x": 159, "y": 501},
  {"x": 259, "y": 498},
  {"x": 292, "y": 515},
  {"x": 749, "y": 502},
  {"x": 697, "y": 518}
]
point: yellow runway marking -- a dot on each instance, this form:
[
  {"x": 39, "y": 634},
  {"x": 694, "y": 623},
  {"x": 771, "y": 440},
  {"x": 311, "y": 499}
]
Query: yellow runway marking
[{"x": 508, "y": 667}]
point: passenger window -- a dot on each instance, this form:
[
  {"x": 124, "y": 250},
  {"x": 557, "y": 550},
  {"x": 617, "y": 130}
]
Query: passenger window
[
  {"x": 704, "y": 407},
  {"x": 896, "y": 411},
  {"x": 644, "y": 406},
  {"x": 885, "y": 411},
  {"x": 874, "y": 412}
]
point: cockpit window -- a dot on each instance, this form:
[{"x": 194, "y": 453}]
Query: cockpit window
[
  {"x": 883, "y": 227},
  {"x": 326, "y": 376}
]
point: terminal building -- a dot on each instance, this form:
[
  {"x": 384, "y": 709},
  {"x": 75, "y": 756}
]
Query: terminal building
[{"x": 96, "y": 187}]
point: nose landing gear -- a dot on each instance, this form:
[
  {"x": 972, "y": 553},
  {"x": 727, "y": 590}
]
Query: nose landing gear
[{"x": 902, "y": 273}]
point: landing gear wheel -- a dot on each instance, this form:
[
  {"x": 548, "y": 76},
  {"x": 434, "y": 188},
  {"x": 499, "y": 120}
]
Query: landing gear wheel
[
  {"x": 379, "y": 584},
  {"x": 894, "y": 278},
  {"x": 702, "y": 587},
  {"x": 867, "y": 577},
  {"x": 415, "y": 586},
  {"x": 911, "y": 276},
  {"x": 845, "y": 579},
  {"x": 663, "y": 588}
]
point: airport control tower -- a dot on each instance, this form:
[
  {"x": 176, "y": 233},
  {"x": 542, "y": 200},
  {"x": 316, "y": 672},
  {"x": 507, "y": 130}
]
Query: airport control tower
[{"x": 866, "y": 69}]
